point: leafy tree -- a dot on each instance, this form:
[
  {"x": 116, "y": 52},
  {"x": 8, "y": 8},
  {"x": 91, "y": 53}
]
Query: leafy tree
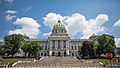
[
  {"x": 118, "y": 51},
  {"x": 13, "y": 43},
  {"x": 79, "y": 51},
  {"x": 25, "y": 47},
  {"x": 32, "y": 48},
  {"x": 2, "y": 51},
  {"x": 87, "y": 49},
  {"x": 106, "y": 44}
]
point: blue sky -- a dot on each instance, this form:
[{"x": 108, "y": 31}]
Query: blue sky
[{"x": 43, "y": 14}]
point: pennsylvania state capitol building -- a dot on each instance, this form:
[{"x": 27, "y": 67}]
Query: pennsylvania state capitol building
[{"x": 59, "y": 43}]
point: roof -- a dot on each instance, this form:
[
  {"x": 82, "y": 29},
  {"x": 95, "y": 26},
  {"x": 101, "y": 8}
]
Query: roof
[{"x": 59, "y": 25}]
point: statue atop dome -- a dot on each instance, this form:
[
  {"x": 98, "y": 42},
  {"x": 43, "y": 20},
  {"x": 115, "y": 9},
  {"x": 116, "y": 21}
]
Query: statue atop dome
[{"x": 59, "y": 21}]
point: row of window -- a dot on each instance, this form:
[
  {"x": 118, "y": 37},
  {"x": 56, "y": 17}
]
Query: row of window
[
  {"x": 59, "y": 44},
  {"x": 74, "y": 54},
  {"x": 73, "y": 47},
  {"x": 59, "y": 47},
  {"x": 59, "y": 31}
]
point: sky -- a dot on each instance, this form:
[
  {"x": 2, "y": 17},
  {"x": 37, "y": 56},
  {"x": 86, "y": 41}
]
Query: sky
[{"x": 82, "y": 18}]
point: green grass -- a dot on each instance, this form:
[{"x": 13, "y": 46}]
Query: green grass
[
  {"x": 104, "y": 61},
  {"x": 13, "y": 60}
]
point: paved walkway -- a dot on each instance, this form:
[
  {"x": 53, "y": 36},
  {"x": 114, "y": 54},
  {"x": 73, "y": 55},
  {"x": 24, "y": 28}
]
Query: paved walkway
[{"x": 58, "y": 62}]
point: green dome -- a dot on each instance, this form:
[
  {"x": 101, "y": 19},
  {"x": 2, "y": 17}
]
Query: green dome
[{"x": 59, "y": 25}]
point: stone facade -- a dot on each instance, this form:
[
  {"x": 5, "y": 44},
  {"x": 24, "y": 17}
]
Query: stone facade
[{"x": 59, "y": 43}]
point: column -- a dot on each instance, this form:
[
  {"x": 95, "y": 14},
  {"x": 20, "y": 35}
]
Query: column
[
  {"x": 56, "y": 44},
  {"x": 61, "y": 45},
  {"x": 51, "y": 42},
  {"x": 50, "y": 50}
]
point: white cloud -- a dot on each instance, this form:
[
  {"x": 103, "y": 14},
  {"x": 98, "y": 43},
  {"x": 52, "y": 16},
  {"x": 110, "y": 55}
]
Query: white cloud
[
  {"x": 47, "y": 34},
  {"x": 9, "y": 17},
  {"x": 29, "y": 26},
  {"x": 117, "y": 23},
  {"x": 9, "y": 1},
  {"x": 77, "y": 23},
  {"x": 117, "y": 42},
  {"x": 11, "y": 11},
  {"x": 52, "y": 18}
]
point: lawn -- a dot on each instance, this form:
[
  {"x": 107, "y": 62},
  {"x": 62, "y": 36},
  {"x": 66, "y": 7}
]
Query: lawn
[
  {"x": 13, "y": 60},
  {"x": 104, "y": 61}
]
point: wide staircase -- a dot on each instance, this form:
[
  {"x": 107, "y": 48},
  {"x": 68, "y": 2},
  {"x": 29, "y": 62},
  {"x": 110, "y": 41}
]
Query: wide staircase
[{"x": 58, "y": 62}]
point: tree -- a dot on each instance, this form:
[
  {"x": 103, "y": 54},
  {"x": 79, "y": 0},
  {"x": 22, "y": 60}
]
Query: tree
[
  {"x": 118, "y": 50},
  {"x": 25, "y": 47},
  {"x": 87, "y": 49},
  {"x": 13, "y": 43},
  {"x": 106, "y": 44},
  {"x": 79, "y": 50},
  {"x": 2, "y": 51},
  {"x": 32, "y": 48}
]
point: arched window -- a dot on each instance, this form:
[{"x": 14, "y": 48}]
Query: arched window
[
  {"x": 53, "y": 53},
  {"x": 41, "y": 54},
  {"x": 72, "y": 54},
  {"x": 64, "y": 53}
]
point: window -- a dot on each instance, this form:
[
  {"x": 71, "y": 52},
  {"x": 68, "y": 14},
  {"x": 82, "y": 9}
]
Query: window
[
  {"x": 64, "y": 53},
  {"x": 59, "y": 31},
  {"x": 53, "y": 45},
  {"x": 64, "y": 43},
  {"x": 41, "y": 54},
  {"x": 72, "y": 47},
  {"x": 44, "y": 54},
  {"x": 72, "y": 54},
  {"x": 55, "y": 31},
  {"x": 75, "y": 48},
  {"x": 59, "y": 45},
  {"x": 62, "y": 31},
  {"x": 45, "y": 47}
]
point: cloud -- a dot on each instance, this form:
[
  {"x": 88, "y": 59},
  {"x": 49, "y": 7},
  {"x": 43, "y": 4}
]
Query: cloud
[
  {"x": 77, "y": 23},
  {"x": 51, "y": 18},
  {"x": 11, "y": 11},
  {"x": 47, "y": 34},
  {"x": 117, "y": 23},
  {"x": 9, "y": 17},
  {"x": 117, "y": 42},
  {"x": 9, "y": 1},
  {"x": 29, "y": 26}
]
